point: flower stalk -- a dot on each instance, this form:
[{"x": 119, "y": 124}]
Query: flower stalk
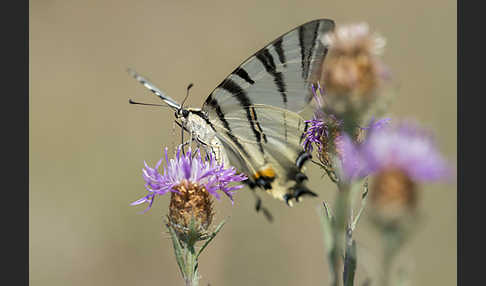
[
  {"x": 338, "y": 238},
  {"x": 192, "y": 183},
  {"x": 186, "y": 252},
  {"x": 350, "y": 259}
]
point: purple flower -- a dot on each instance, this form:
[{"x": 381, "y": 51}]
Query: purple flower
[
  {"x": 353, "y": 163},
  {"x": 405, "y": 147},
  {"x": 313, "y": 134},
  {"x": 320, "y": 127},
  {"x": 187, "y": 169}
]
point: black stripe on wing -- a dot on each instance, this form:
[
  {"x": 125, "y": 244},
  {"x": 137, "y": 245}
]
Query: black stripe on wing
[
  {"x": 210, "y": 101},
  {"x": 241, "y": 72},
  {"x": 280, "y": 52},
  {"x": 266, "y": 59},
  {"x": 307, "y": 41},
  {"x": 236, "y": 90}
]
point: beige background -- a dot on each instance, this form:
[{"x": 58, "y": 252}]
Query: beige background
[{"x": 87, "y": 144}]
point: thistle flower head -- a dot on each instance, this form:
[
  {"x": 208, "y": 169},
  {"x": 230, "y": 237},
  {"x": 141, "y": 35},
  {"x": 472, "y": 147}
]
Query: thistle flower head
[
  {"x": 187, "y": 169},
  {"x": 322, "y": 131},
  {"x": 355, "y": 38},
  {"x": 405, "y": 147},
  {"x": 352, "y": 65},
  {"x": 393, "y": 196},
  {"x": 352, "y": 71},
  {"x": 325, "y": 131},
  {"x": 190, "y": 211},
  {"x": 192, "y": 181},
  {"x": 408, "y": 148},
  {"x": 400, "y": 158}
]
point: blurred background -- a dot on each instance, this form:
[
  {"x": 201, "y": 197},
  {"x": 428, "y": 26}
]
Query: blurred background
[{"x": 87, "y": 144}]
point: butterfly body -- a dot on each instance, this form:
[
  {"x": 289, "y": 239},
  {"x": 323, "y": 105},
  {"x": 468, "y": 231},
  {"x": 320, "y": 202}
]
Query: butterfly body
[
  {"x": 197, "y": 123},
  {"x": 251, "y": 121}
]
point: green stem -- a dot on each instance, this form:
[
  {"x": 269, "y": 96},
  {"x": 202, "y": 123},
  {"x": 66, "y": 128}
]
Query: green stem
[
  {"x": 350, "y": 260},
  {"x": 364, "y": 196},
  {"x": 339, "y": 229},
  {"x": 186, "y": 256},
  {"x": 179, "y": 251},
  {"x": 218, "y": 228},
  {"x": 393, "y": 240},
  {"x": 338, "y": 234},
  {"x": 387, "y": 262},
  {"x": 328, "y": 239},
  {"x": 192, "y": 278}
]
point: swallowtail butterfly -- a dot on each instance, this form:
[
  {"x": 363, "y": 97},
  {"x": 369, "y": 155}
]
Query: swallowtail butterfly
[{"x": 251, "y": 121}]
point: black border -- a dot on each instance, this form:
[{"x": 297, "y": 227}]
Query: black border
[
  {"x": 470, "y": 115},
  {"x": 15, "y": 144}
]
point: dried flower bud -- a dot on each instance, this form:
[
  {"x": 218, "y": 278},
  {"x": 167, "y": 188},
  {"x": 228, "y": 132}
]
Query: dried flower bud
[
  {"x": 393, "y": 196},
  {"x": 352, "y": 72},
  {"x": 190, "y": 202}
]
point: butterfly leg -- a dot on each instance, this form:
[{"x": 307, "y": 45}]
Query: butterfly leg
[
  {"x": 182, "y": 137},
  {"x": 187, "y": 142},
  {"x": 183, "y": 144},
  {"x": 217, "y": 150},
  {"x": 259, "y": 207},
  {"x": 298, "y": 192},
  {"x": 190, "y": 138}
]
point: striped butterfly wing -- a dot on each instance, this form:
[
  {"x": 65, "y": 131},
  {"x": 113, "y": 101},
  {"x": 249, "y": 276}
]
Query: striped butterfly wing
[
  {"x": 254, "y": 109},
  {"x": 276, "y": 163}
]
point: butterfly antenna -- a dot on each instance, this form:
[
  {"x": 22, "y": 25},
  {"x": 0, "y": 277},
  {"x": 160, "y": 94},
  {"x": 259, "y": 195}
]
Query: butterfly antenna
[
  {"x": 143, "y": 103},
  {"x": 187, "y": 93}
]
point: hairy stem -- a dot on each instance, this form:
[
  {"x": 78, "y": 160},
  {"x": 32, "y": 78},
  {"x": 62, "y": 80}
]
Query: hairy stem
[{"x": 339, "y": 231}]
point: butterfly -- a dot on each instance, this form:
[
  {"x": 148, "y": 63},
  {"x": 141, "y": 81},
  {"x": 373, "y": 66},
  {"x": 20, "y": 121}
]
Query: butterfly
[{"x": 250, "y": 120}]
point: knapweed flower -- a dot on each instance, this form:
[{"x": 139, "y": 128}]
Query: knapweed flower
[
  {"x": 352, "y": 71},
  {"x": 400, "y": 159},
  {"x": 408, "y": 148},
  {"x": 192, "y": 181},
  {"x": 325, "y": 132}
]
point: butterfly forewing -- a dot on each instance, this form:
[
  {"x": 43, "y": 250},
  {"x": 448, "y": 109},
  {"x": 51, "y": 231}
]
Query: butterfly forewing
[{"x": 280, "y": 74}]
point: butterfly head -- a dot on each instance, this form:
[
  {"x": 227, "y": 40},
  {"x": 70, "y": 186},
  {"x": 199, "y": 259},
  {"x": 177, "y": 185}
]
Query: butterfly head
[{"x": 181, "y": 113}]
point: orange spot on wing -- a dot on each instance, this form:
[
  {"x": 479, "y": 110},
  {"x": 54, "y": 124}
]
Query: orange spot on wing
[{"x": 267, "y": 172}]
